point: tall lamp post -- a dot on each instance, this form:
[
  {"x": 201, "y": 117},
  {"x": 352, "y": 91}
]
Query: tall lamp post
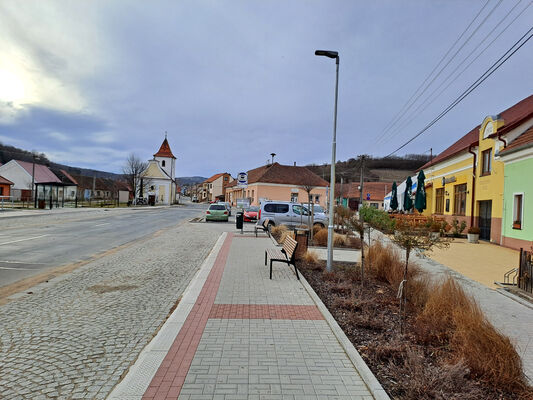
[{"x": 335, "y": 55}]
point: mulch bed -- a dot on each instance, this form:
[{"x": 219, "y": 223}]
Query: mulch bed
[{"x": 370, "y": 317}]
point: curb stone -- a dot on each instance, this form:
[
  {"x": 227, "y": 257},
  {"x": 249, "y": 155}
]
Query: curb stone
[
  {"x": 368, "y": 377},
  {"x": 140, "y": 374}
]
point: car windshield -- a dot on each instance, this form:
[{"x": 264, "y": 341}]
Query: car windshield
[
  {"x": 252, "y": 209},
  {"x": 217, "y": 207}
]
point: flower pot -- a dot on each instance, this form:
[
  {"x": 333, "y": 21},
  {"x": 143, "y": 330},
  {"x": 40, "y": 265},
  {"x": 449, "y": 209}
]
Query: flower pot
[
  {"x": 473, "y": 237},
  {"x": 434, "y": 235}
]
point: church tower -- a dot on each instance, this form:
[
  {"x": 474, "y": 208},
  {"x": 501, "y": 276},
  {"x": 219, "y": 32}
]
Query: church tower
[{"x": 166, "y": 159}]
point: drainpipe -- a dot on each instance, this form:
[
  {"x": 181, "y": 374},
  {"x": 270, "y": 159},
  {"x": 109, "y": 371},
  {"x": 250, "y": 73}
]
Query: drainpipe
[
  {"x": 473, "y": 185},
  {"x": 502, "y": 140}
]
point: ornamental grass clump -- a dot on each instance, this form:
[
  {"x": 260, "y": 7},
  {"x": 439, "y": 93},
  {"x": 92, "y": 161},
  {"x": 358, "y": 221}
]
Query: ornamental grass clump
[{"x": 277, "y": 231}]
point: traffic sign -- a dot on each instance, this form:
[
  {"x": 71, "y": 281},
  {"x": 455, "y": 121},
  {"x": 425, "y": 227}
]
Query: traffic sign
[
  {"x": 368, "y": 196},
  {"x": 242, "y": 180}
]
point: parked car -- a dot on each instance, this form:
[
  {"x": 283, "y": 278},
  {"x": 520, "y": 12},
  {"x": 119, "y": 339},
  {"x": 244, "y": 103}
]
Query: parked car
[
  {"x": 287, "y": 213},
  {"x": 319, "y": 212},
  {"x": 250, "y": 214},
  {"x": 194, "y": 199},
  {"x": 216, "y": 212},
  {"x": 227, "y": 205}
]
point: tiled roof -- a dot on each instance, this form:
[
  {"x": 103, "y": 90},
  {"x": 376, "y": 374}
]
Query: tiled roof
[
  {"x": 42, "y": 172},
  {"x": 164, "y": 150},
  {"x": 215, "y": 177},
  {"x": 512, "y": 117},
  {"x": 377, "y": 190},
  {"x": 285, "y": 174},
  {"x": 522, "y": 141},
  {"x": 5, "y": 181}
]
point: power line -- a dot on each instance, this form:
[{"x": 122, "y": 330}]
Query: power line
[
  {"x": 427, "y": 102},
  {"x": 508, "y": 54},
  {"x": 400, "y": 115},
  {"x": 393, "y": 121}
]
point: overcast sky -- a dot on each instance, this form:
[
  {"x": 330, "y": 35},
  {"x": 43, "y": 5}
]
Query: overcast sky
[{"x": 88, "y": 82}]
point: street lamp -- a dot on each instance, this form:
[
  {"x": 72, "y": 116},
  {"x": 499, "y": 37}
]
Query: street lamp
[{"x": 335, "y": 55}]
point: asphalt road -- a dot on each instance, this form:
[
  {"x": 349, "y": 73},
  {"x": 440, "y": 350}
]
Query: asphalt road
[{"x": 29, "y": 249}]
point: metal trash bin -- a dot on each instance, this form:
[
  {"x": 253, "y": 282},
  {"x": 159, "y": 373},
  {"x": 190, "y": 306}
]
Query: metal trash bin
[
  {"x": 41, "y": 204},
  {"x": 239, "y": 219},
  {"x": 301, "y": 236}
]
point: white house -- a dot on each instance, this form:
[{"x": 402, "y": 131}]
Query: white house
[
  {"x": 20, "y": 173},
  {"x": 159, "y": 186}
]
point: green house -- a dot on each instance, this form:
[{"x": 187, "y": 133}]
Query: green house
[{"x": 517, "y": 221}]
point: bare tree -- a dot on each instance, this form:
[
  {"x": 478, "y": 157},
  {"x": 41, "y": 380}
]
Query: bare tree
[{"x": 132, "y": 170}]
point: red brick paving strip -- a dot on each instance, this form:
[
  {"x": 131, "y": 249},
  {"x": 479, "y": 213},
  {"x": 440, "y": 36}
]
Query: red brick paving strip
[
  {"x": 266, "y": 311},
  {"x": 170, "y": 376}
]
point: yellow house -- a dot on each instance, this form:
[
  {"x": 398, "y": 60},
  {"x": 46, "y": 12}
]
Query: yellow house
[
  {"x": 280, "y": 182},
  {"x": 466, "y": 183}
]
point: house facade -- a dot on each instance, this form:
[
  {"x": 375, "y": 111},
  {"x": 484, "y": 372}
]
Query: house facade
[
  {"x": 280, "y": 182},
  {"x": 215, "y": 187},
  {"x": 159, "y": 178},
  {"x": 466, "y": 181},
  {"x": 5, "y": 187},
  {"x": 517, "y": 221},
  {"x": 349, "y": 195}
]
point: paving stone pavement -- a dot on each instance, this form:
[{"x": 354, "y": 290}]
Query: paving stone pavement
[
  {"x": 509, "y": 316},
  {"x": 225, "y": 351},
  {"x": 75, "y": 337}
]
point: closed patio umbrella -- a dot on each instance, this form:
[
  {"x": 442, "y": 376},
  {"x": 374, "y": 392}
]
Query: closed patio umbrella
[
  {"x": 420, "y": 197},
  {"x": 407, "y": 201},
  {"x": 394, "y": 197}
]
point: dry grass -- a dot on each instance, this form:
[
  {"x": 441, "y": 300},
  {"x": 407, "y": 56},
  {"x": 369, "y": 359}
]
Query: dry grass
[
  {"x": 451, "y": 317},
  {"x": 387, "y": 266},
  {"x": 310, "y": 257},
  {"x": 284, "y": 235},
  {"x": 316, "y": 229},
  {"x": 277, "y": 231},
  {"x": 339, "y": 240},
  {"x": 321, "y": 237}
]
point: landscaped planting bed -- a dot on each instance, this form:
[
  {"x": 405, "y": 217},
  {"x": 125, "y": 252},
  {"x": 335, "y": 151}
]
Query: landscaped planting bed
[{"x": 448, "y": 349}]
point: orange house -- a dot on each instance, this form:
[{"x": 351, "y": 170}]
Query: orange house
[
  {"x": 280, "y": 182},
  {"x": 5, "y": 186}
]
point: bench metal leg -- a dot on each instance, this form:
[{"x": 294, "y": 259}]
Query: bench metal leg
[
  {"x": 265, "y": 258},
  {"x": 296, "y": 271},
  {"x": 270, "y": 269}
]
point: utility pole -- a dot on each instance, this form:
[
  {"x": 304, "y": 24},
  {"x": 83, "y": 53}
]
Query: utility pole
[
  {"x": 94, "y": 186},
  {"x": 361, "y": 188},
  {"x": 340, "y": 197}
]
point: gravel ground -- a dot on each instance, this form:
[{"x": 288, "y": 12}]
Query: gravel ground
[{"x": 75, "y": 337}]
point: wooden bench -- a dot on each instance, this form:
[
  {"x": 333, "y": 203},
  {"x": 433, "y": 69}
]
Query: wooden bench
[
  {"x": 265, "y": 227},
  {"x": 286, "y": 254}
]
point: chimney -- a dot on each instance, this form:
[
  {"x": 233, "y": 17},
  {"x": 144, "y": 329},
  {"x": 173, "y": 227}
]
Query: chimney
[{"x": 295, "y": 163}]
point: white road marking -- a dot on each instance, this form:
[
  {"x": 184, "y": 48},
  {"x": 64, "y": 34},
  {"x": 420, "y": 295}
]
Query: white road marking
[
  {"x": 22, "y": 240},
  {"x": 18, "y": 269},
  {"x": 20, "y": 262},
  {"x": 106, "y": 223}
]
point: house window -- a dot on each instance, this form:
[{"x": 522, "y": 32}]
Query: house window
[
  {"x": 517, "y": 211},
  {"x": 459, "y": 204},
  {"x": 294, "y": 197},
  {"x": 252, "y": 195},
  {"x": 317, "y": 199},
  {"x": 439, "y": 201},
  {"x": 163, "y": 163},
  {"x": 487, "y": 162},
  {"x": 226, "y": 178}
]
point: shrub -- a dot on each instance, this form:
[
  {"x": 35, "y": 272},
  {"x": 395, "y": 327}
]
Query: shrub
[
  {"x": 321, "y": 237},
  {"x": 316, "y": 228},
  {"x": 435, "y": 227},
  {"x": 474, "y": 230},
  {"x": 451, "y": 317},
  {"x": 377, "y": 219},
  {"x": 458, "y": 228},
  {"x": 339, "y": 240},
  {"x": 353, "y": 242},
  {"x": 310, "y": 257},
  {"x": 386, "y": 264},
  {"x": 277, "y": 231}
]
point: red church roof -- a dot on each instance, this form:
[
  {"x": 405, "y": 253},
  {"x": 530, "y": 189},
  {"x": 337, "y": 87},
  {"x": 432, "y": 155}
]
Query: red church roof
[{"x": 164, "y": 150}]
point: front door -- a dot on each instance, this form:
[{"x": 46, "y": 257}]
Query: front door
[{"x": 485, "y": 211}]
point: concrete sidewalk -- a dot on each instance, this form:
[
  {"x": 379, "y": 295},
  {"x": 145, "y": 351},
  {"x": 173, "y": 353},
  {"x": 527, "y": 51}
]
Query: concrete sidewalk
[{"x": 236, "y": 334}]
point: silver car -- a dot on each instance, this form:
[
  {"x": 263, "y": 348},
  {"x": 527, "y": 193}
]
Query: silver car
[{"x": 287, "y": 213}]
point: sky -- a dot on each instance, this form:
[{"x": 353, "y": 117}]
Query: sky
[{"x": 90, "y": 82}]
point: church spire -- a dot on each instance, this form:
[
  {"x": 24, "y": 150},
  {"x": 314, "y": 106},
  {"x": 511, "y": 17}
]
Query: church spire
[{"x": 164, "y": 150}]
